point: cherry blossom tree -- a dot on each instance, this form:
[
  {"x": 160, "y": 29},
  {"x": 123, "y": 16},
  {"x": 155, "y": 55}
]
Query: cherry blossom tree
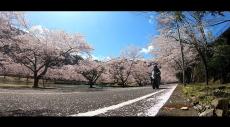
[
  {"x": 141, "y": 72},
  {"x": 15, "y": 70},
  {"x": 122, "y": 67},
  {"x": 91, "y": 70},
  {"x": 39, "y": 48},
  {"x": 11, "y": 25},
  {"x": 195, "y": 28},
  {"x": 66, "y": 73},
  {"x": 9, "y": 22},
  {"x": 119, "y": 70},
  {"x": 170, "y": 23},
  {"x": 18, "y": 70},
  {"x": 4, "y": 61},
  {"x": 168, "y": 55}
]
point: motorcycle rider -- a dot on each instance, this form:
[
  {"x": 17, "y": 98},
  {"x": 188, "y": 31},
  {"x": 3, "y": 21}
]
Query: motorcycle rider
[{"x": 156, "y": 77}]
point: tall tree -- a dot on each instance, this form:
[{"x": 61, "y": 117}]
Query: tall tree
[
  {"x": 170, "y": 21},
  {"x": 167, "y": 52}
]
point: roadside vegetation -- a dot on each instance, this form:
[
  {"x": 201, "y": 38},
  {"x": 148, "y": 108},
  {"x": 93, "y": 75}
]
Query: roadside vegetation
[{"x": 199, "y": 93}]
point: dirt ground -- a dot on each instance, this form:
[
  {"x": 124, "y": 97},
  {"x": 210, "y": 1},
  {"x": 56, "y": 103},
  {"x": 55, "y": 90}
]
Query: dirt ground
[{"x": 175, "y": 103}]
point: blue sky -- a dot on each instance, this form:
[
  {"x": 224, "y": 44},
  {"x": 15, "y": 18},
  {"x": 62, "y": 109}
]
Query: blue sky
[{"x": 107, "y": 32}]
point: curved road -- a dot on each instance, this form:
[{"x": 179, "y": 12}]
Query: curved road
[{"x": 142, "y": 101}]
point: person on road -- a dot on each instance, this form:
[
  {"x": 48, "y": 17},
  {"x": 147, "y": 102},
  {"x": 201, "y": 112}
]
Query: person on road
[{"x": 156, "y": 77}]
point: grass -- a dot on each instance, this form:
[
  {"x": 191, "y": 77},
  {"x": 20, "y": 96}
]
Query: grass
[
  {"x": 15, "y": 82},
  {"x": 13, "y": 85},
  {"x": 199, "y": 92}
]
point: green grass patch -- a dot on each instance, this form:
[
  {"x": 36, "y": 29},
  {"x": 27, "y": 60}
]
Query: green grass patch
[
  {"x": 13, "y": 85},
  {"x": 204, "y": 94}
]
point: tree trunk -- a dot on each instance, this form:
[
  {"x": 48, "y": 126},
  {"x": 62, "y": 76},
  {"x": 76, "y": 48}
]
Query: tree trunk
[
  {"x": 205, "y": 52},
  {"x": 36, "y": 79},
  {"x": 182, "y": 55},
  {"x": 27, "y": 79},
  {"x": 192, "y": 74},
  {"x": 36, "y": 82},
  {"x": 203, "y": 59},
  {"x": 91, "y": 84},
  {"x": 43, "y": 82},
  {"x": 124, "y": 84},
  {"x": 222, "y": 77},
  {"x": 205, "y": 67},
  {"x": 206, "y": 73}
]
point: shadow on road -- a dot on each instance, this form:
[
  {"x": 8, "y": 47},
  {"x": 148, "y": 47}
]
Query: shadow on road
[{"x": 162, "y": 88}]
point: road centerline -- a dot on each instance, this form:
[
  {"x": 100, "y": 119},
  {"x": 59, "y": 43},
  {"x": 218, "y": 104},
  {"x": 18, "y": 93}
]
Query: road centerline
[{"x": 113, "y": 107}]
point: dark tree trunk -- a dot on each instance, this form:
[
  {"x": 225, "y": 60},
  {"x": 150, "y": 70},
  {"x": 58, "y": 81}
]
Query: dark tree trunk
[
  {"x": 205, "y": 67},
  {"x": 206, "y": 73},
  {"x": 91, "y": 85},
  {"x": 139, "y": 83},
  {"x": 27, "y": 79},
  {"x": 123, "y": 84},
  {"x": 192, "y": 75},
  {"x": 204, "y": 61},
  {"x": 36, "y": 79},
  {"x": 222, "y": 76},
  {"x": 36, "y": 82},
  {"x": 182, "y": 55},
  {"x": 43, "y": 83}
]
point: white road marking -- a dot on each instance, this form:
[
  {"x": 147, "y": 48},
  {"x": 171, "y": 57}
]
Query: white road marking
[
  {"x": 106, "y": 109},
  {"x": 160, "y": 102}
]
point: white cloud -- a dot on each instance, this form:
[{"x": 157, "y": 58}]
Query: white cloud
[
  {"x": 150, "y": 21},
  {"x": 95, "y": 57},
  {"x": 108, "y": 58},
  {"x": 101, "y": 58},
  {"x": 151, "y": 18},
  {"x": 83, "y": 55},
  {"x": 25, "y": 30},
  {"x": 37, "y": 29},
  {"x": 147, "y": 50}
]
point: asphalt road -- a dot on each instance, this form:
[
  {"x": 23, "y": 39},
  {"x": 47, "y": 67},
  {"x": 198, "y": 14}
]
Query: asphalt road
[{"x": 141, "y": 101}]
